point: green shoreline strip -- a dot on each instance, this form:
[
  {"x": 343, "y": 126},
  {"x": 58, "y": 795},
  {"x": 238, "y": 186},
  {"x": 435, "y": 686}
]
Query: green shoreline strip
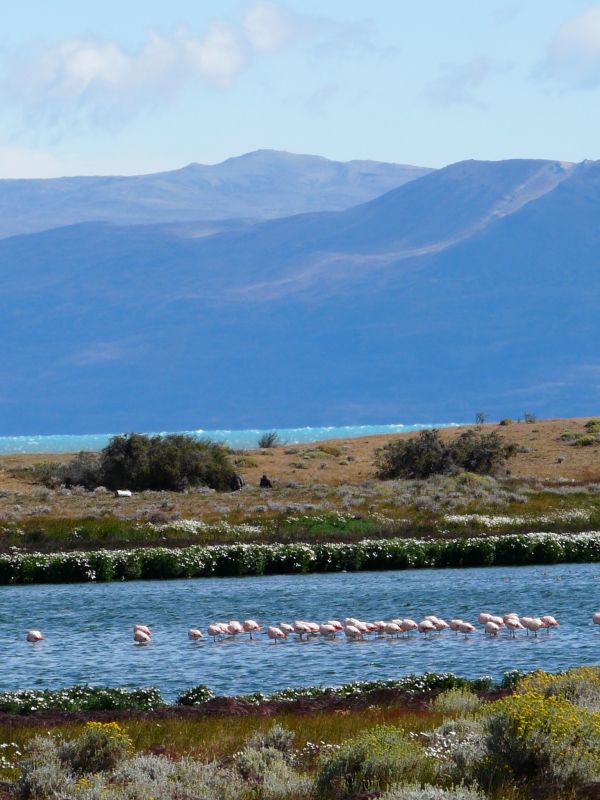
[{"x": 240, "y": 560}]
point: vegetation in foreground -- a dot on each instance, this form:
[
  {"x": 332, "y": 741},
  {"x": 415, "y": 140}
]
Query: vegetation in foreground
[{"x": 542, "y": 739}]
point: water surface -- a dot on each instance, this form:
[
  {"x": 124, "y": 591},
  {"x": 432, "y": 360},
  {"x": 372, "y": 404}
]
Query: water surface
[
  {"x": 242, "y": 439},
  {"x": 88, "y": 628}
]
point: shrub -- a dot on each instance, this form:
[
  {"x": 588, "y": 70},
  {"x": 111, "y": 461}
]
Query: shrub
[
  {"x": 415, "y": 457},
  {"x": 587, "y": 440},
  {"x": 195, "y": 696},
  {"x": 83, "y": 470},
  {"x": 268, "y": 440},
  {"x": 276, "y": 738},
  {"x": 593, "y": 426},
  {"x": 580, "y": 686},
  {"x": 172, "y": 462},
  {"x": 42, "y": 774},
  {"x": 429, "y": 792},
  {"x": 506, "y": 421},
  {"x": 100, "y": 748},
  {"x": 540, "y": 740},
  {"x": 80, "y": 698},
  {"x": 456, "y": 701},
  {"x": 426, "y": 454},
  {"x": 372, "y": 761}
]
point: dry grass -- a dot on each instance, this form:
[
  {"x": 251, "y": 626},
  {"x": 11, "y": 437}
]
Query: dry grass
[{"x": 307, "y": 478}]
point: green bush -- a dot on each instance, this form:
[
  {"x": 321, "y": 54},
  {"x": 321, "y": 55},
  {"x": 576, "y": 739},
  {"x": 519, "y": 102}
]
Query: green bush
[
  {"x": 170, "y": 463},
  {"x": 456, "y": 701},
  {"x": 195, "y": 696},
  {"x": 100, "y": 748},
  {"x": 372, "y": 761},
  {"x": 426, "y": 455},
  {"x": 80, "y": 698},
  {"x": 276, "y": 738},
  {"x": 540, "y": 740},
  {"x": 416, "y": 457}
]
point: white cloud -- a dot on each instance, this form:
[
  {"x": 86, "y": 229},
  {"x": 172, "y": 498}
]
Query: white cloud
[
  {"x": 456, "y": 83},
  {"x": 269, "y": 27},
  {"x": 573, "y": 56},
  {"x": 101, "y": 81}
]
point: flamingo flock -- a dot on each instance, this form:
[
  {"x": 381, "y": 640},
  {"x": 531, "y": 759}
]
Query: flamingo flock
[{"x": 355, "y": 629}]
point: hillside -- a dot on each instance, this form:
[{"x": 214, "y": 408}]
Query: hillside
[
  {"x": 473, "y": 287},
  {"x": 258, "y": 185}
]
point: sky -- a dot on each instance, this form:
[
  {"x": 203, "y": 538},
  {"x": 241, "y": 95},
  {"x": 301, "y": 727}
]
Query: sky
[{"x": 147, "y": 85}]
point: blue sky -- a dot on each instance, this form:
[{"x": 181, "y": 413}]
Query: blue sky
[{"x": 144, "y": 85}]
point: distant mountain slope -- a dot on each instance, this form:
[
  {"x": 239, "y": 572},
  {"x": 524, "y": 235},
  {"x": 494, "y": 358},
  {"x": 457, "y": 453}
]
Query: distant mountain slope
[
  {"x": 473, "y": 288},
  {"x": 259, "y": 185}
]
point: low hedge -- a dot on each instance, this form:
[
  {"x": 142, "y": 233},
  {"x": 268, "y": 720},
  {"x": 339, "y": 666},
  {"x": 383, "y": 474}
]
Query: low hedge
[
  {"x": 100, "y": 698},
  {"x": 287, "y": 559}
]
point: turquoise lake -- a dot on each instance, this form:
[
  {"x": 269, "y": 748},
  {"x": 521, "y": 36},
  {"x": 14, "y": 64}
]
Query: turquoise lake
[
  {"x": 241, "y": 439},
  {"x": 89, "y": 628}
]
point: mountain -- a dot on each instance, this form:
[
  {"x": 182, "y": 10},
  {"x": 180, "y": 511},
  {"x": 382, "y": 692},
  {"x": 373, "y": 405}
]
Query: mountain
[
  {"x": 472, "y": 288},
  {"x": 259, "y": 185}
]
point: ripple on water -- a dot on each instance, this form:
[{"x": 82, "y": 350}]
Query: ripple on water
[{"x": 88, "y": 628}]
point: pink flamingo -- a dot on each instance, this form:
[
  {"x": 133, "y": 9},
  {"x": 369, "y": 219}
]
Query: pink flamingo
[
  {"x": 426, "y": 626},
  {"x": 393, "y": 629},
  {"x": 143, "y": 628},
  {"x": 352, "y": 632},
  {"x": 492, "y": 628},
  {"x": 549, "y": 622},
  {"x": 34, "y": 636},
  {"x": 301, "y": 627},
  {"x": 513, "y": 624},
  {"x": 195, "y": 634},
  {"x": 275, "y": 633},
  {"x": 251, "y": 626},
  {"x": 483, "y": 618},
  {"x": 408, "y": 625},
  {"x": 327, "y": 630},
  {"x": 466, "y": 628},
  {"x": 215, "y": 629},
  {"x": 454, "y": 624},
  {"x": 139, "y": 637},
  {"x": 596, "y": 618},
  {"x": 336, "y": 624}
]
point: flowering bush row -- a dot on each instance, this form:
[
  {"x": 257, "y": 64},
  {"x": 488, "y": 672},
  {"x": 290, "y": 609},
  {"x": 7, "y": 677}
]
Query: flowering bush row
[
  {"x": 96, "y": 698},
  {"x": 282, "y": 559},
  {"x": 80, "y": 698}
]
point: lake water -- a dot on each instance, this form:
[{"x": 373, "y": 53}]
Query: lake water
[
  {"x": 89, "y": 628},
  {"x": 242, "y": 439}
]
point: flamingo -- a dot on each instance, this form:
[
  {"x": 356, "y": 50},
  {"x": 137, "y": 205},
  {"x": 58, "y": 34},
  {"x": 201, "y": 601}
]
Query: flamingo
[
  {"x": 513, "y": 624},
  {"x": 454, "y": 624},
  {"x": 139, "y": 637},
  {"x": 492, "y": 628},
  {"x": 327, "y": 630},
  {"x": 275, "y": 633},
  {"x": 525, "y": 623},
  {"x": 380, "y": 627},
  {"x": 408, "y": 625},
  {"x": 534, "y": 625},
  {"x": 393, "y": 629},
  {"x": 215, "y": 629},
  {"x": 426, "y": 626},
  {"x": 336, "y": 624},
  {"x": 499, "y": 621},
  {"x": 313, "y": 628},
  {"x": 143, "y": 628},
  {"x": 250, "y": 626},
  {"x": 440, "y": 624},
  {"x": 234, "y": 627},
  {"x": 301, "y": 627},
  {"x": 596, "y": 618},
  {"x": 195, "y": 634},
  {"x": 550, "y": 622},
  {"x": 352, "y": 632},
  {"x": 34, "y": 636},
  {"x": 466, "y": 628},
  {"x": 483, "y": 618},
  {"x": 286, "y": 628}
]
